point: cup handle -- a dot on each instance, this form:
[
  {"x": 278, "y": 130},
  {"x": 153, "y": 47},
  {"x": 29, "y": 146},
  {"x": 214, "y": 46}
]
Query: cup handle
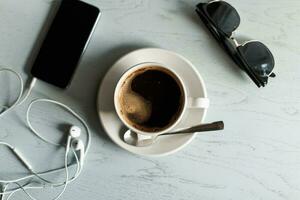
[{"x": 198, "y": 102}]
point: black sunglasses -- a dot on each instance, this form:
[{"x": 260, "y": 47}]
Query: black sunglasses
[{"x": 253, "y": 57}]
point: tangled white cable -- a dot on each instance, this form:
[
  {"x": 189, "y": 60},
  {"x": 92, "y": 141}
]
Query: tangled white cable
[
  {"x": 73, "y": 143},
  {"x": 19, "y": 99}
]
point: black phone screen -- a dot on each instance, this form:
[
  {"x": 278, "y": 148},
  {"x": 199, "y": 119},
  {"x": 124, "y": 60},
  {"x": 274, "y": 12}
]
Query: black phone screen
[{"x": 65, "y": 41}]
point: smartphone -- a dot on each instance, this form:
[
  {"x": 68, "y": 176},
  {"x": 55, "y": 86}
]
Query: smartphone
[{"x": 65, "y": 42}]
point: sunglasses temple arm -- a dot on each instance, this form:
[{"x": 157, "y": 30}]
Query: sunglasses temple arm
[{"x": 207, "y": 24}]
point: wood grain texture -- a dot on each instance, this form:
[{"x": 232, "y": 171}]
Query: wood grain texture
[{"x": 256, "y": 157}]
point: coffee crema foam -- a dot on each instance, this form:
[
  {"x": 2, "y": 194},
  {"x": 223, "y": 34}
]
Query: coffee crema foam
[
  {"x": 151, "y": 99},
  {"x": 136, "y": 107}
]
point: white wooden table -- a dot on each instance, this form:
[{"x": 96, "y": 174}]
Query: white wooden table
[{"x": 257, "y": 157}]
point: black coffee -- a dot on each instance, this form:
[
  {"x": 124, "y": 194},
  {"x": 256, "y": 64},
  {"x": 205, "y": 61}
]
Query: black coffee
[{"x": 151, "y": 99}]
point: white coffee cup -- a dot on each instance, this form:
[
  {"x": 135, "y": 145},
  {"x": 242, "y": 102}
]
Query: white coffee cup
[{"x": 188, "y": 103}]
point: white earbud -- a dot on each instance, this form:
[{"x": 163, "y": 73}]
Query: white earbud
[
  {"x": 74, "y": 132},
  {"x": 79, "y": 146}
]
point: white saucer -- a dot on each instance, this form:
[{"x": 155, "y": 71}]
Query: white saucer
[{"x": 110, "y": 120}]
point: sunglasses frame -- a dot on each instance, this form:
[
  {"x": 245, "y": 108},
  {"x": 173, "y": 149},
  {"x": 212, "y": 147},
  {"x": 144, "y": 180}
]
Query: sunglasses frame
[{"x": 230, "y": 44}]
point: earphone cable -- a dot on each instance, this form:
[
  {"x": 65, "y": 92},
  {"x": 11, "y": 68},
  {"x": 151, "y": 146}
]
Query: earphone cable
[
  {"x": 21, "y": 85},
  {"x": 88, "y": 142},
  {"x": 26, "y": 187},
  {"x": 20, "y": 100},
  {"x": 74, "y": 177},
  {"x": 38, "y": 135},
  {"x": 21, "y": 96}
]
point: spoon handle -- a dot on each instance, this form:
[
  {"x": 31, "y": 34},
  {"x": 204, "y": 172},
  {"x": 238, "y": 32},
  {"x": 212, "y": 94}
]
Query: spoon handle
[{"x": 219, "y": 125}]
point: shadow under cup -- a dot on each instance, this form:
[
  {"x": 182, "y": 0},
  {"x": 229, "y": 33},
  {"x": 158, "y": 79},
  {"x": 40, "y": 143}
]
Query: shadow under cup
[{"x": 150, "y": 98}]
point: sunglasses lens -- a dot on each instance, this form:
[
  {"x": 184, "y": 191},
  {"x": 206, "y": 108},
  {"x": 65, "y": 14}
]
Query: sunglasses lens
[
  {"x": 258, "y": 57},
  {"x": 224, "y": 16}
]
